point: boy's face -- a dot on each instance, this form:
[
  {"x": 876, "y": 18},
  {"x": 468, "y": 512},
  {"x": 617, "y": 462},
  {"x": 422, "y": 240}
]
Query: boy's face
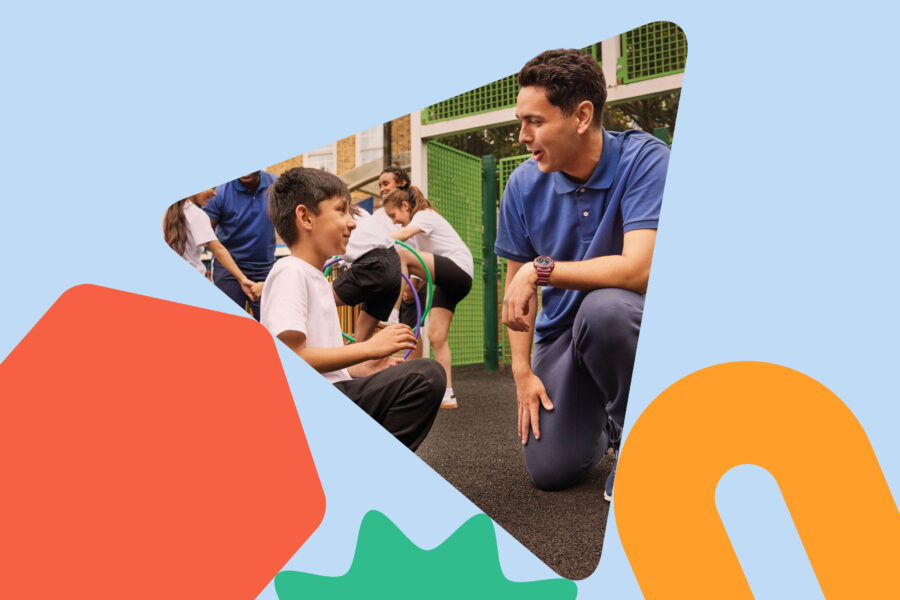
[
  {"x": 332, "y": 226},
  {"x": 549, "y": 135}
]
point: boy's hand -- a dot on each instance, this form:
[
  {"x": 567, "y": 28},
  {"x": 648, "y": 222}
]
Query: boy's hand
[
  {"x": 393, "y": 338},
  {"x": 373, "y": 366},
  {"x": 257, "y": 288}
]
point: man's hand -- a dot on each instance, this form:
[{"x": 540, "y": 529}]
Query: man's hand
[
  {"x": 257, "y": 288},
  {"x": 393, "y": 338},
  {"x": 247, "y": 286},
  {"x": 531, "y": 395},
  {"x": 517, "y": 297}
]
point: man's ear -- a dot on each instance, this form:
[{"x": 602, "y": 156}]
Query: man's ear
[
  {"x": 304, "y": 217},
  {"x": 584, "y": 115}
]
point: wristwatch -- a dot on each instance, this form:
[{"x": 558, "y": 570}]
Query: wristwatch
[{"x": 543, "y": 265}]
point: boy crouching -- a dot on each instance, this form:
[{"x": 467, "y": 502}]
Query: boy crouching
[{"x": 311, "y": 212}]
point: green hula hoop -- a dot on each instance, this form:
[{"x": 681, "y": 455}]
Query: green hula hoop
[{"x": 427, "y": 276}]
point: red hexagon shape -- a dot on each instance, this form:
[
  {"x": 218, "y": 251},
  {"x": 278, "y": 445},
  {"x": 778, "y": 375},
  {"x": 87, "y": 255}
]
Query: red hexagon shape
[{"x": 149, "y": 450}]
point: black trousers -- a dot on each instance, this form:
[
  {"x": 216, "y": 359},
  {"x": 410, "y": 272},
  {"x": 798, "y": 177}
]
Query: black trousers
[{"x": 404, "y": 399}]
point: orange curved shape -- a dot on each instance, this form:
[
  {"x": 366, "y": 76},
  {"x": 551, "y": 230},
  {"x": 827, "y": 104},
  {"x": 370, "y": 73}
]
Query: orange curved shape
[{"x": 665, "y": 506}]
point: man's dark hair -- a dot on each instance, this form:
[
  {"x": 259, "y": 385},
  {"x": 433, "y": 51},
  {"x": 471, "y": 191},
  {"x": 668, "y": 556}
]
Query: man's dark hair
[
  {"x": 399, "y": 174},
  {"x": 568, "y": 77},
  {"x": 300, "y": 186}
]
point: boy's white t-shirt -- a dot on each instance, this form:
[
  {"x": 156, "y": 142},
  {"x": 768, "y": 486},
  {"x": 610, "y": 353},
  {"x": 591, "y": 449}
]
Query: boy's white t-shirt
[
  {"x": 297, "y": 297},
  {"x": 370, "y": 233},
  {"x": 199, "y": 233},
  {"x": 439, "y": 237}
]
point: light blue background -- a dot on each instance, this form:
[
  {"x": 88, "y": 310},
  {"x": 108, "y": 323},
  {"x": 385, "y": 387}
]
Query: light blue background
[{"x": 777, "y": 240}]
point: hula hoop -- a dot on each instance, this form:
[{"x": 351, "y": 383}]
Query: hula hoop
[
  {"x": 415, "y": 297},
  {"x": 430, "y": 284},
  {"x": 418, "y": 313},
  {"x": 329, "y": 264}
]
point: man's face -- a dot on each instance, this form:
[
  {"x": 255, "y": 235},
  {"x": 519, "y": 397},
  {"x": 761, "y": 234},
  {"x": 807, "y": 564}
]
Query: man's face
[
  {"x": 547, "y": 133},
  {"x": 250, "y": 181},
  {"x": 332, "y": 226},
  {"x": 387, "y": 183}
]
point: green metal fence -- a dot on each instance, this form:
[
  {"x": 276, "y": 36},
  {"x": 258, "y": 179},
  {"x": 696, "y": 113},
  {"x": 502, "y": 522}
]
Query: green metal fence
[
  {"x": 654, "y": 50},
  {"x": 505, "y": 167},
  {"x": 454, "y": 187},
  {"x": 493, "y": 96}
]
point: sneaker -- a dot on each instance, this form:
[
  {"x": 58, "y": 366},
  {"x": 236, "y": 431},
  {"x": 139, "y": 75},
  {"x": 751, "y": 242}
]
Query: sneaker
[
  {"x": 608, "y": 490},
  {"x": 449, "y": 401}
]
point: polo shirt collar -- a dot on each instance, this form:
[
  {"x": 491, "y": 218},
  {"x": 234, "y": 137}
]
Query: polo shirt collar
[
  {"x": 603, "y": 174},
  {"x": 261, "y": 185}
]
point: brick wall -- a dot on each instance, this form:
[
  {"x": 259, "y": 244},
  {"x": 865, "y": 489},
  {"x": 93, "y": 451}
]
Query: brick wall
[
  {"x": 346, "y": 154},
  {"x": 284, "y": 165}
]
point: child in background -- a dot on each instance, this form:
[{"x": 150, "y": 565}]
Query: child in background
[
  {"x": 391, "y": 178},
  {"x": 187, "y": 230},
  {"x": 449, "y": 262},
  {"x": 374, "y": 275},
  {"x": 311, "y": 212}
]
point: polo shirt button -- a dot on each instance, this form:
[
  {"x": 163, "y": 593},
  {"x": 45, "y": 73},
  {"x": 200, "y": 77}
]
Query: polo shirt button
[
  {"x": 581, "y": 191},
  {"x": 585, "y": 213}
]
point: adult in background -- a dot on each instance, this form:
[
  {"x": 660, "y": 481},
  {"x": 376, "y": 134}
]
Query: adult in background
[
  {"x": 238, "y": 213},
  {"x": 578, "y": 218}
]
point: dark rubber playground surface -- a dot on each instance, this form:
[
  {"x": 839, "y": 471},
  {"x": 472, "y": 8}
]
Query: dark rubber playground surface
[{"x": 476, "y": 449}]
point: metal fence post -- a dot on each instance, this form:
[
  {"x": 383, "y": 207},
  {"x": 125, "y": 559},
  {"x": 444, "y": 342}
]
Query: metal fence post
[{"x": 489, "y": 234}]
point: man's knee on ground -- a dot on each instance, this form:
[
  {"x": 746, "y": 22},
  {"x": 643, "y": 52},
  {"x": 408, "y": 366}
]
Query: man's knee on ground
[{"x": 556, "y": 476}]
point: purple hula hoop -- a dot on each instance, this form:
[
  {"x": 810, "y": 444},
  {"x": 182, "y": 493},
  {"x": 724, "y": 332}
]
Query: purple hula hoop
[
  {"x": 332, "y": 263},
  {"x": 412, "y": 290}
]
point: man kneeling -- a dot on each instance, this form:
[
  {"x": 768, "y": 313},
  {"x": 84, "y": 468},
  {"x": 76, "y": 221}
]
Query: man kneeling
[{"x": 580, "y": 218}]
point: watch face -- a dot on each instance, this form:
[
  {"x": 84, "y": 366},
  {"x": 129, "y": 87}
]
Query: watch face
[{"x": 542, "y": 261}]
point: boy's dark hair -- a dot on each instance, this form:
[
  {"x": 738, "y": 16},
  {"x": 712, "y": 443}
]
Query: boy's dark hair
[
  {"x": 568, "y": 77},
  {"x": 300, "y": 186},
  {"x": 399, "y": 174}
]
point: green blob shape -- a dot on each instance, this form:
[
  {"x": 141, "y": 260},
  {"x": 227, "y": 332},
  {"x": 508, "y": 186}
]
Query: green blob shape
[{"x": 388, "y": 565}]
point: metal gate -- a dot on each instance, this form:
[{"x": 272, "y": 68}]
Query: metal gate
[{"x": 454, "y": 188}]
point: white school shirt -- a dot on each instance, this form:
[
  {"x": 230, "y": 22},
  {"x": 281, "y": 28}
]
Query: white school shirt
[
  {"x": 370, "y": 233},
  {"x": 199, "y": 233},
  {"x": 439, "y": 237},
  {"x": 297, "y": 297},
  {"x": 381, "y": 215}
]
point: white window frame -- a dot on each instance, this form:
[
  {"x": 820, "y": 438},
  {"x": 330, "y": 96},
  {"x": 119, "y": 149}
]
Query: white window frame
[
  {"x": 378, "y": 132},
  {"x": 328, "y": 149}
]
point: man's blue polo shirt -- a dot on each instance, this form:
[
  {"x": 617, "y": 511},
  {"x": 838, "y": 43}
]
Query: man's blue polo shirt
[
  {"x": 549, "y": 214},
  {"x": 244, "y": 227}
]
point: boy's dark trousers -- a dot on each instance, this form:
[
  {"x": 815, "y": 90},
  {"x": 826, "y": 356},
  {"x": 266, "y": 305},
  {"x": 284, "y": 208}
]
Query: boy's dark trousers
[{"x": 404, "y": 399}]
